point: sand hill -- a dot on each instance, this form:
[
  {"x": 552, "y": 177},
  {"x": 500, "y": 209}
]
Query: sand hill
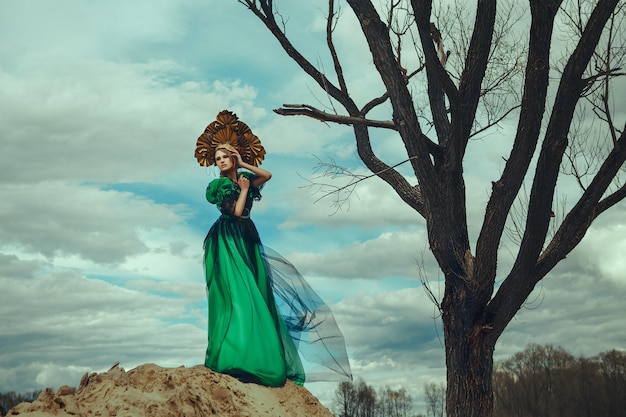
[{"x": 153, "y": 391}]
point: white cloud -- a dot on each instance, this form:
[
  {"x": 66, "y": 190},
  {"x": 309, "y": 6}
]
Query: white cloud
[
  {"x": 582, "y": 313},
  {"x": 389, "y": 254},
  {"x": 104, "y": 27},
  {"x": 65, "y": 324},
  {"x": 106, "y": 122},
  {"x": 55, "y": 218}
]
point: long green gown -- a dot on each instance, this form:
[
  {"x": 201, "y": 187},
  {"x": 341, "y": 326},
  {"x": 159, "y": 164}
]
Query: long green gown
[
  {"x": 262, "y": 313},
  {"x": 248, "y": 338}
]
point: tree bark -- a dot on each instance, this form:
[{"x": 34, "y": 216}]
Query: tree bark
[{"x": 469, "y": 365}]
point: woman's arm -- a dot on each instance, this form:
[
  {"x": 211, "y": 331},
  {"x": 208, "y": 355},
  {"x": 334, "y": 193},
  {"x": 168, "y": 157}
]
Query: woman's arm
[
  {"x": 262, "y": 175},
  {"x": 240, "y": 204}
]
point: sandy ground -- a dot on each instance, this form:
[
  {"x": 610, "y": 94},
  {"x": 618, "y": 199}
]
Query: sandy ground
[{"x": 150, "y": 390}]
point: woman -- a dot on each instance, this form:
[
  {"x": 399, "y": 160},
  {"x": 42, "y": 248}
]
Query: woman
[
  {"x": 247, "y": 336},
  {"x": 262, "y": 313}
]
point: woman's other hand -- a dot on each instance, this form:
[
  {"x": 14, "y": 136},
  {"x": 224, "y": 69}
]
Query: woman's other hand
[{"x": 243, "y": 182}]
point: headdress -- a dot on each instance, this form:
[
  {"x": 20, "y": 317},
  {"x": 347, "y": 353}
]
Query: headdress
[{"x": 227, "y": 130}]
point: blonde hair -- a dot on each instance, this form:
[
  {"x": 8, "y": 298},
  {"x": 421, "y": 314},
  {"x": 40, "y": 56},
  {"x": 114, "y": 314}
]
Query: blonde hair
[{"x": 230, "y": 148}]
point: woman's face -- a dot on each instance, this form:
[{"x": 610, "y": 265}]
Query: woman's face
[{"x": 223, "y": 160}]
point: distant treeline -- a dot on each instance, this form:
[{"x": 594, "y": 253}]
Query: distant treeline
[
  {"x": 9, "y": 400},
  {"x": 361, "y": 400},
  {"x": 547, "y": 381},
  {"x": 540, "y": 381}
]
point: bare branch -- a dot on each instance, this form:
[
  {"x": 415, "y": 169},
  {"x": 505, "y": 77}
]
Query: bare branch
[
  {"x": 333, "y": 171},
  {"x": 506, "y": 189},
  {"x": 422, "y": 11},
  {"x": 309, "y": 111},
  {"x": 519, "y": 283},
  {"x": 495, "y": 122},
  {"x": 555, "y": 142},
  {"x": 586, "y": 210},
  {"x": 375, "y": 102},
  {"x": 331, "y": 46},
  {"x": 611, "y": 200},
  {"x": 265, "y": 13},
  {"x": 475, "y": 69}
]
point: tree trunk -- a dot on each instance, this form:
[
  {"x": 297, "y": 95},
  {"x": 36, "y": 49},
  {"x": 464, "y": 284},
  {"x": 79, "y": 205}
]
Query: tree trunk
[{"x": 469, "y": 354}]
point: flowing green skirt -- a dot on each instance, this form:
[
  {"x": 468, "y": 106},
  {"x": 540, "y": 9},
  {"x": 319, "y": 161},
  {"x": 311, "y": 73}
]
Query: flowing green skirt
[{"x": 248, "y": 337}]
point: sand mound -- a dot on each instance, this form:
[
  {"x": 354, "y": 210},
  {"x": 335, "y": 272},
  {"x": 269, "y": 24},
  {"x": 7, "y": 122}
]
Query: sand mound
[{"x": 152, "y": 391}]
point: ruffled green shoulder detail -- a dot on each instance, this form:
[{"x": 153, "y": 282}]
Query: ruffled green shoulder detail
[
  {"x": 254, "y": 192},
  {"x": 218, "y": 189}
]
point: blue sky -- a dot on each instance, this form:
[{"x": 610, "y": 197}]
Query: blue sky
[{"x": 102, "y": 209}]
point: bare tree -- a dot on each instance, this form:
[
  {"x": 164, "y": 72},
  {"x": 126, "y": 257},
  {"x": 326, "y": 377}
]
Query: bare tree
[
  {"x": 613, "y": 370},
  {"x": 435, "y": 399},
  {"x": 345, "y": 403},
  {"x": 366, "y": 400},
  {"x": 355, "y": 399},
  {"x": 394, "y": 403},
  {"x": 469, "y": 92}
]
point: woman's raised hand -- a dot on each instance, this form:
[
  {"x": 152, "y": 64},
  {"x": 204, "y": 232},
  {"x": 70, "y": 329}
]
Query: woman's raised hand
[
  {"x": 235, "y": 154},
  {"x": 243, "y": 182}
]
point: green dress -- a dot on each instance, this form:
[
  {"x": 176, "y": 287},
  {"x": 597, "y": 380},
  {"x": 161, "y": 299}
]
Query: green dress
[
  {"x": 248, "y": 338},
  {"x": 261, "y": 311}
]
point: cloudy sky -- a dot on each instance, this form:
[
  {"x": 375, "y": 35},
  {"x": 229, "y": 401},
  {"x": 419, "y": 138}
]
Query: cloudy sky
[{"x": 102, "y": 209}]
